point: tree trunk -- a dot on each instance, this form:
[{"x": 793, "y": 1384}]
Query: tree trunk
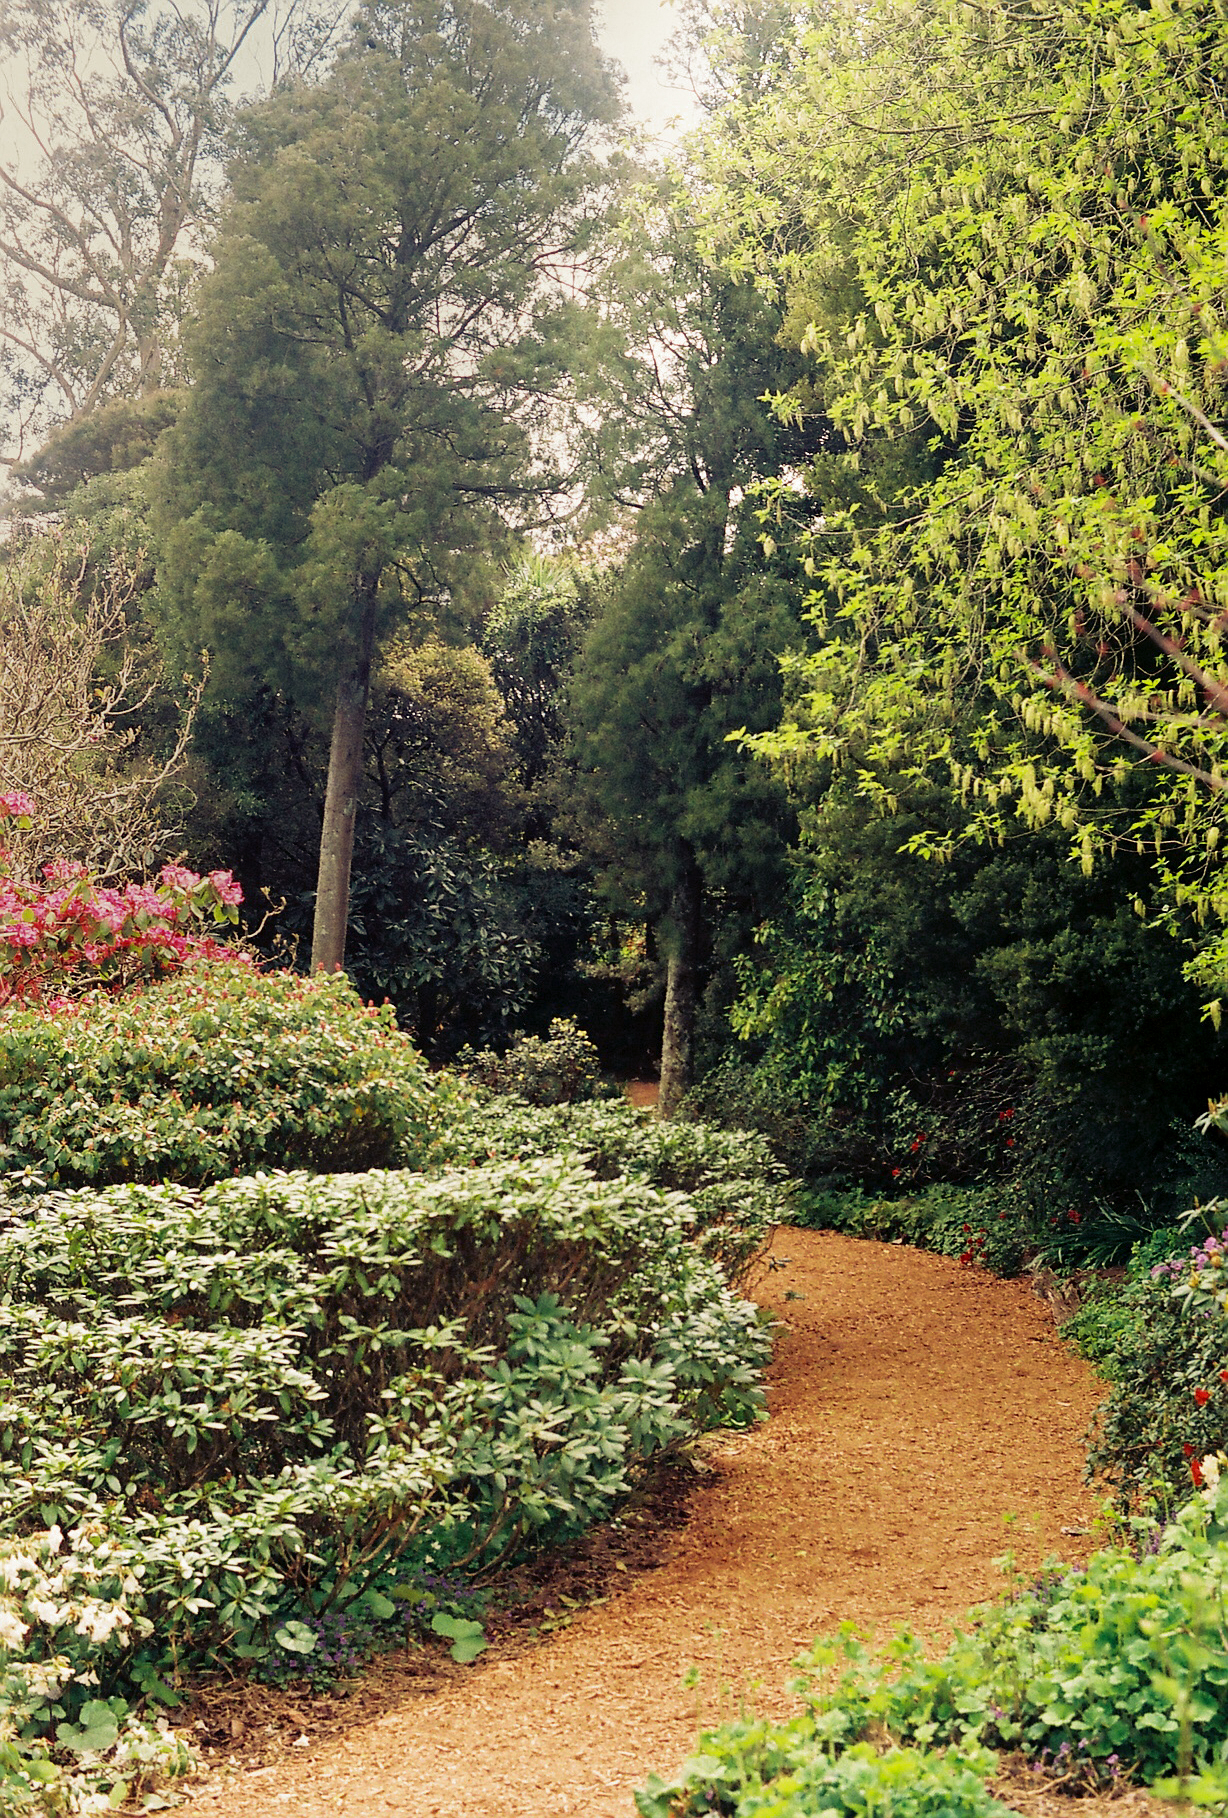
[
  {"x": 681, "y": 989},
  {"x": 341, "y": 797}
]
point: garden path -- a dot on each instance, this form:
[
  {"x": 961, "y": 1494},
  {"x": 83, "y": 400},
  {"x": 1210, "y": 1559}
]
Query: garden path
[{"x": 916, "y": 1408}]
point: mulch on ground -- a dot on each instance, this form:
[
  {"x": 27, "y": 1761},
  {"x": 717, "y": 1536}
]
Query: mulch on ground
[{"x": 925, "y": 1420}]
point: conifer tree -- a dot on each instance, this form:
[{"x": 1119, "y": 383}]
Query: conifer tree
[{"x": 374, "y": 354}]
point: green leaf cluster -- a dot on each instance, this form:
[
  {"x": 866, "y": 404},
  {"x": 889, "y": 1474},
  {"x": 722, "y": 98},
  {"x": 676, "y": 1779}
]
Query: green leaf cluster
[
  {"x": 1000, "y": 237},
  {"x": 216, "y": 1072},
  {"x": 759, "y": 1770}
]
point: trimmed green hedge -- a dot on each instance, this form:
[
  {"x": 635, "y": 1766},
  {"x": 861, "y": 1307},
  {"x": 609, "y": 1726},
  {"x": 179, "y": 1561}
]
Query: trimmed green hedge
[
  {"x": 215, "y": 1072},
  {"x": 735, "y": 1186},
  {"x": 276, "y": 1380}
]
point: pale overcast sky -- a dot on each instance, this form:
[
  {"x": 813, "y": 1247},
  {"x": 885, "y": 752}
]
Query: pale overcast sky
[{"x": 635, "y": 32}]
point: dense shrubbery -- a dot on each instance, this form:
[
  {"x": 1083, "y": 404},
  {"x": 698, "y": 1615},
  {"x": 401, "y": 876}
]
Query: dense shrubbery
[
  {"x": 283, "y": 1394},
  {"x": 556, "y": 1069},
  {"x": 214, "y": 1072},
  {"x": 1106, "y": 1672},
  {"x": 238, "y": 1407},
  {"x": 734, "y": 1185},
  {"x": 1165, "y": 1361},
  {"x": 975, "y": 1224},
  {"x": 1000, "y": 1018}
]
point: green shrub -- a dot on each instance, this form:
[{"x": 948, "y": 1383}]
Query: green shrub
[
  {"x": 1103, "y": 1673},
  {"x": 556, "y": 1070},
  {"x": 763, "y": 1770},
  {"x": 273, "y": 1389},
  {"x": 975, "y": 1224},
  {"x": 1103, "y": 1328},
  {"x": 735, "y": 1186},
  {"x": 1167, "y": 1405},
  {"x": 812, "y": 1142},
  {"x": 215, "y": 1072}
]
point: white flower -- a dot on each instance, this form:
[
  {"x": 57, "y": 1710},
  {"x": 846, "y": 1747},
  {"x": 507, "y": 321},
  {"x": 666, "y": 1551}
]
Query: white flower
[
  {"x": 55, "y": 1537},
  {"x": 12, "y": 1632},
  {"x": 1210, "y": 1472},
  {"x": 45, "y": 1678},
  {"x": 98, "y": 1620},
  {"x": 43, "y": 1610}
]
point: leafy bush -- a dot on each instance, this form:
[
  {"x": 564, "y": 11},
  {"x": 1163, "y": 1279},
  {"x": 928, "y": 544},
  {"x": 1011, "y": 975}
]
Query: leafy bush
[
  {"x": 215, "y": 1072},
  {"x": 998, "y": 1017},
  {"x": 558, "y": 1070},
  {"x": 975, "y": 1224},
  {"x": 813, "y": 1143},
  {"x": 764, "y": 1770},
  {"x": 65, "y": 1615},
  {"x": 735, "y": 1187},
  {"x": 269, "y": 1392},
  {"x": 1103, "y": 1672},
  {"x": 1165, "y": 1357}
]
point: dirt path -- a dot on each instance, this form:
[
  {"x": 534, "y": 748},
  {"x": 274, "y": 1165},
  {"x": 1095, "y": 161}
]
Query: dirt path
[{"x": 916, "y": 1408}]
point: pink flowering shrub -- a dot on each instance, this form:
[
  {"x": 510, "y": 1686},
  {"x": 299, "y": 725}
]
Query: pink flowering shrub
[{"x": 67, "y": 933}]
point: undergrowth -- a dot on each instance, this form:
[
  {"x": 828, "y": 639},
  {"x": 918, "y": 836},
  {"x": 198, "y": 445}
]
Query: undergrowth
[{"x": 1098, "y": 1674}]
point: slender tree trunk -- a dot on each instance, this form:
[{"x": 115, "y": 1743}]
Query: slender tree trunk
[
  {"x": 341, "y": 797},
  {"x": 681, "y": 989}
]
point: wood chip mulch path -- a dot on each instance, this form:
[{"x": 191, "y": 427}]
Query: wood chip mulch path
[{"x": 925, "y": 1418}]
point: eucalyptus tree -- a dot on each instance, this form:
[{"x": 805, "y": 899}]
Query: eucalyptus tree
[
  {"x": 375, "y": 353},
  {"x": 115, "y": 118}
]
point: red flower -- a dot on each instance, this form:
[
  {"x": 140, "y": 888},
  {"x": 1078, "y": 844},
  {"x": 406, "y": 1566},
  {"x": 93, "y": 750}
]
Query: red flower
[
  {"x": 1202, "y": 1397},
  {"x": 1187, "y": 1448},
  {"x": 1223, "y": 1375},
  {"x": 1196, "y": 1473},
  {"x": 1073, "y": 1216},
  {"x": 895, "y": 1173}
]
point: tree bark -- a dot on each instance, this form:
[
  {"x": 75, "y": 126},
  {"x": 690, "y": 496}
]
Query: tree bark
[
  {"x": 681, "y": 989},
  {"x": 341, "y": 797}
]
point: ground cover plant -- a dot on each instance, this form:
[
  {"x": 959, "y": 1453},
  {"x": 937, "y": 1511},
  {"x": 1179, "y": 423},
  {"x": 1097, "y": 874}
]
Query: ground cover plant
[{"x": 1103, "y": 1674}]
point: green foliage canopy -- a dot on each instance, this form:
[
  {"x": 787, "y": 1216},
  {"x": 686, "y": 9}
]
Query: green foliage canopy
[
  {"x": 1001, "y": 236},
  {"x": 373, "y": 347}
]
